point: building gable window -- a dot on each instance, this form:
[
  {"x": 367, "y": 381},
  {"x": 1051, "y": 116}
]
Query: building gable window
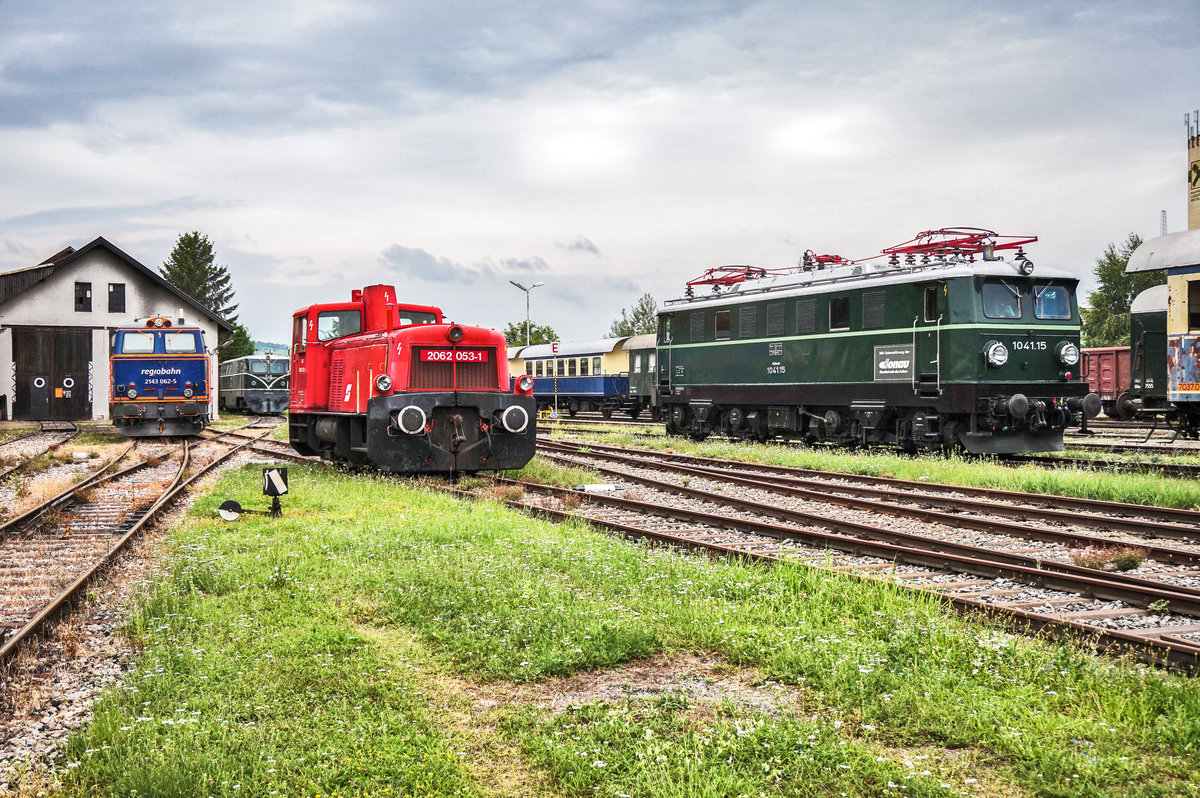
[
  {"x": 83, "y": 297},
  {"x": 116, "y": 297}
]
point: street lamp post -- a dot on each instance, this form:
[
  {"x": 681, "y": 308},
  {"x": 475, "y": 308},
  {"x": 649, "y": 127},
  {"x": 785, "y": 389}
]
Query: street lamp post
[{"x": 526, "y": 290}]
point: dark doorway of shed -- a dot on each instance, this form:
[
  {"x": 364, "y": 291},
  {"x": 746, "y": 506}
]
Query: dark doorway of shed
[{"x": 52, "y": 372}]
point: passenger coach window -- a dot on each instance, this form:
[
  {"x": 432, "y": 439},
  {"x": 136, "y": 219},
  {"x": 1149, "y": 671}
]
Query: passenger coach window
[
  {"x": 583, "y": 366},
  {"x": 1194, "y": 306},
  {"x": 1051, "y": 302},
  {"x": 839, "y": 313},
  {"x": 137, "y": 343},
  {"x": 1001, "y": 301},
  {"x": 571, "y": 367},
  {"x": 529, "y": 367},
  {"x": 562, "y": 368},
  {"x": 180, "y": 343},
  {"x": 722, "y": 317},
  {"x": 337, "y": 323},
  {"x": 538, "y": 368},
  {"x": 595, "y": 365}
]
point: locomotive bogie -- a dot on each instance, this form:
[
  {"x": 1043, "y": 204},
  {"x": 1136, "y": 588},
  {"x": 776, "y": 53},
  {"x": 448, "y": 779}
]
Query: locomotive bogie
[{"x": 976, "y": 357}]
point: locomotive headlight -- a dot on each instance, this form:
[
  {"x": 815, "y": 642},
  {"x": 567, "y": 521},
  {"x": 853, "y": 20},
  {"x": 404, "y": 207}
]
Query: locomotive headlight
[
  {"x": 1068, "y": 353},
  {"x": 525, "y": 383},
  {"x": 455, "y": 333},
  {"x": 132, "y": 392},
  {"x": 188, "y": 392},
  {"x": 995, "y": 353},
  {"x": 383, "y": 383}
]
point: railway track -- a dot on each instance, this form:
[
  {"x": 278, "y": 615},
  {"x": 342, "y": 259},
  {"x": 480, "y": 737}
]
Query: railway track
[
  {"x": 54, "y": 550},
  {"x": 1167, "y": 469},
  {"x": 978, "y": 556}
]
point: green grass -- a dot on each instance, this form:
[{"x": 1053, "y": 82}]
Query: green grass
[
  {"x": 952, "y": 469},
  {"x": 334, "y": 651}
]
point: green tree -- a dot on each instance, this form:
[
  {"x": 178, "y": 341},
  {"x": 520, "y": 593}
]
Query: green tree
[
  {"x": 238, "y": 344},
  {"x": 514, "y": 333},
  {"x": 640, "y": 320},
  {"x": 1106, "y": 320},
  {"x": 192, "y": 269}
]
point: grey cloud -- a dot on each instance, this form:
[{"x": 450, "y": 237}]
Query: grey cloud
[
  {"x": 100, "y": 217},
  {"x": 240, "y": 66},
  {"x": 418, "y": 264},
  {"x": 534, "y": 264},
  {"x": 579, "y": 244}
]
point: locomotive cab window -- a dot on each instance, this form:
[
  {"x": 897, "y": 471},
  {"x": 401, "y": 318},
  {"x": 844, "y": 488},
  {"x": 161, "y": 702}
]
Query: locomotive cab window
[
  {"x": 299, "y": 325},
  {"x": 1051, "y": 302},
  {"x": 1193, "y": 306},
  {"x": 931, "y": 303},
  {"x": 1001, "y": 301},
  {"x": 410, "y": 317},
  {"x": 180, "y": 343},
  {"x": 839, "y": 313},
  {"x": 137, "y": 343},
  {"x": 722, "y": 319},
  {"x": 337, "y": 323}
]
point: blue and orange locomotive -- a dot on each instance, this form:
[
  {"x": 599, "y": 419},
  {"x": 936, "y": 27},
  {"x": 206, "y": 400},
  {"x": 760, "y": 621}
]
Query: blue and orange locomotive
[{"x": 159, "y": 379}]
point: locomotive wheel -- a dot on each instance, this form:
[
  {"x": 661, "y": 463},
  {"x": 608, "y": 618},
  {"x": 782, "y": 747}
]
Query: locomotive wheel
[
  {"x": 606, "y": 412},
  {"x": 1124, "y": 406},
  {"x": 572, "y": 408},
  {"x": 655, "y": 414},
  {"x": 635, "y": 411}
]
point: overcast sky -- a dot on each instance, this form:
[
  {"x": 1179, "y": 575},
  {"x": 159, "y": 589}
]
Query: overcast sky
[{"x": 606, "y": 148}]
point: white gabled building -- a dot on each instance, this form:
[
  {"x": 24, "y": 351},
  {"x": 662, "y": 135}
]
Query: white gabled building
[{"x": 56, "y": 322}]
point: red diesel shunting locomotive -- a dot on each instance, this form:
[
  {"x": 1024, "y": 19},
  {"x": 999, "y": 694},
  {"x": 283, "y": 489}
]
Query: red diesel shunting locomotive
[{"x": 391, "y": 385}]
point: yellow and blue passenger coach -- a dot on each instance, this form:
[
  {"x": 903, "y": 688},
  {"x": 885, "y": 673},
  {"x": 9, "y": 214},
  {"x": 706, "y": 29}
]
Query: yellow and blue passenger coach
[
  {"x": 574, "y": 376},
  {"x": 950, "y": 352}
]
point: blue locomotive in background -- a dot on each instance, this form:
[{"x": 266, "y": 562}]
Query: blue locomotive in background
[{"x": 159, "y": 372}]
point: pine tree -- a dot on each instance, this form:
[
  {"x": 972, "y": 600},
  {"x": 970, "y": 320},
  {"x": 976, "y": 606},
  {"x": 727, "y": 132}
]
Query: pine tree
[
  {"x": 191, "y": 269},
  {"x": 238, "y": 344},
  {"x": 1106, "y": 320},
  {"x": 640, "y": 320}
]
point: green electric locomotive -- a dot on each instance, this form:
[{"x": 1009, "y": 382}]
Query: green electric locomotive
[{"x": 931, "y": 349}]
